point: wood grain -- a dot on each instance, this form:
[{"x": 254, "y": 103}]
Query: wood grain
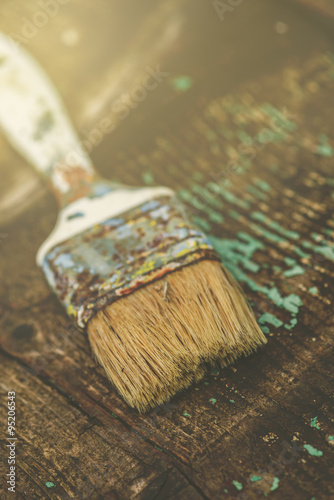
[{"x": 242, "y": 129}]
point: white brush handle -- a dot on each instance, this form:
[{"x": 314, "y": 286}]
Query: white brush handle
[{"x": 32, "y": 114}]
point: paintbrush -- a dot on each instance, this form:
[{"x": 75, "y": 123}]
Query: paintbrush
[{"x": 126, "y": 262}]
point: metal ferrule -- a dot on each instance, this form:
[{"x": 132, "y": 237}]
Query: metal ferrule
[{"x": 116, "y": 257}]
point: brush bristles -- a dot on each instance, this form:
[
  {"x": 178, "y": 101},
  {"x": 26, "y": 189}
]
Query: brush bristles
[{"x": 157, "y": 340}]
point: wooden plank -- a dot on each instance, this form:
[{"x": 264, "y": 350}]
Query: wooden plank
[{"x": 242, "y": 129}]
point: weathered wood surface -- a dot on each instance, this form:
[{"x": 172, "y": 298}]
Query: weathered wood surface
[{"x": 242, "y": 127}]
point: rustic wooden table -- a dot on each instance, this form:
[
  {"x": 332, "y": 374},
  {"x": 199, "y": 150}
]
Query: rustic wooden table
[{"x": 241, "y": 125}]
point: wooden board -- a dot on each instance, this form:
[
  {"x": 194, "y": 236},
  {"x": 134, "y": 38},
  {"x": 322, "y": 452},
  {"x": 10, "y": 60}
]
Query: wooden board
[{"x": 242, "y": 127}]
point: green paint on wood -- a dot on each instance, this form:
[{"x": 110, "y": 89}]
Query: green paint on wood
[
  {"x": 313, "y": 451},
  {"x": 300, "y": 253},
  {"x": 232, "y": 401},
  {"x": 236, "y": 256},
  {"x": 216, "y": 217},
  {"x": 256, "y": 192},
  {"x": 263, "y": 185},
  {"x": 330, "y": 438},
  {"x": 182, "y": 83},
  {"x": 324, "y": 148},
  {"x": 260, "y": 217},
  {"x": 278, "y": 269},
  {"x": 200, "y": 205},
  {"x": 234, "y": 214},
  {"x": 222, "y": 191},
  {"x": 265, "y": 329},
  {"x": 201, "y": 223},
  {"x": 271, "y": 319},
  {"x": 275, "y": 484},
  {"x": 294, "y": 271},
  {"x": 147, "y": 178},
  {"x": 207, "y": 195},
  {"x": 49, "y": 484},
  {"x": 213, "y": 401},
  {"x": 255, "y": 479},
  {"x": 267, "y": 234},
  {"x": 314, "y": 423},
  {"x": 186, "y": 414},
  {"x": 289, "y": 261},
  {"x": 280, "y": 117},
  {"x": 292, "y": 323},
  {"x": 237, "y": 485}
]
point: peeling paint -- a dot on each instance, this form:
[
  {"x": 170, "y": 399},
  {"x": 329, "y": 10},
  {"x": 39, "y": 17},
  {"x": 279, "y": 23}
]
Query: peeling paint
[{"x": 313, "y": 451}]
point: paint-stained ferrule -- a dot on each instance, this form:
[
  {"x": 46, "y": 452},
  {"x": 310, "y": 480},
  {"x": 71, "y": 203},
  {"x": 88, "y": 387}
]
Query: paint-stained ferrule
[{"x": 116, "y": 257}]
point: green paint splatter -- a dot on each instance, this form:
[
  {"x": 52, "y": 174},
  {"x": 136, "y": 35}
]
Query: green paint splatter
[
  {"x": 254, "y": 479},
  {"x": 114, "y": 415},
  {"x": 237, "y": 485},
  {"x": 213, "y": 401},
  {"x": 313, "y": 290},
  {"x": 260, "y": 217},
  {"x": 160, "y": 449},
  {"x": 216, "y": 217},
  {"x": 275, "y": 484},
  {"x": 330, "y": 438},
  {"x": 256, "y": 192},
  {"x": 219, "y": 189},
  {"x": 232, "y": 401},
  {"x": 263, "y": 185},
  {"x": 182, "y": 83},
  {"x": 278, "y": 269},
  {"x": 205, "y": 193},
  {"x": 294, "y": 271},
  {"x": 292, "y": 303},
  {"x": 324, "y": 148},
  {"x": 147, "y": 178},
  {"x": 314, "y": 423},
  {"x": 313, "y": 451},
  {"x": 267, "y": 234},
  {"x": 281, "y": 119},
  {"x": 236, "y": 256},
  {"x": 327, "y": 250},
  {"x": 234, "y": 214},
  {"x": 289, "y": 261},
  {"x": 200, "y": 205},
  {"x": 186, "y": 414},
  {"x": 206, "y": 383},
  {"x": 225, "y": 490},
  {"x": 201, "y": 223},
  {"x": 300, "y": 253},
  {"x": 49, "y": 484},
  {"x": 271, "y": 319},
  {"x": 292, "y": 323}
]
